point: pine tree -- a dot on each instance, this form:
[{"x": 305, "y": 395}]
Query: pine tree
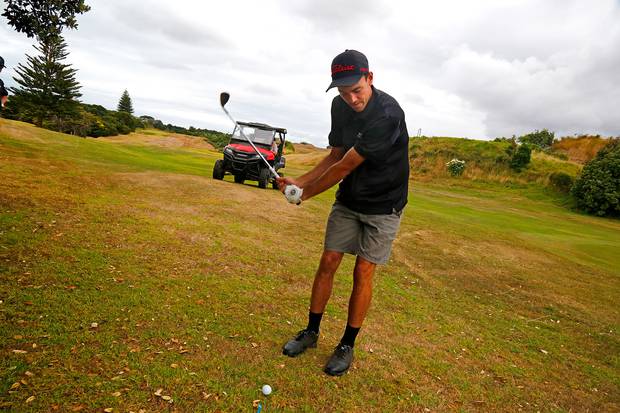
[
  {"x": 124, "y": 104},
  {"x": 48, "y": 89}
]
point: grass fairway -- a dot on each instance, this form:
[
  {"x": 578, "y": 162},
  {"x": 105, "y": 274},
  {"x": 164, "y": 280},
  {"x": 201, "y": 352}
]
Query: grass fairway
[{"x": 495, "y": 299}]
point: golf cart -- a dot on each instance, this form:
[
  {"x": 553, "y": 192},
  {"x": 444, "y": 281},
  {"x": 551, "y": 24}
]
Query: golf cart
[{"x": 242, "y": 161}]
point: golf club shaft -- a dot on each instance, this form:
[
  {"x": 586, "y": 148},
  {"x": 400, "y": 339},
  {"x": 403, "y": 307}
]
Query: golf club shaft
[{"x": 273, "y": 171}]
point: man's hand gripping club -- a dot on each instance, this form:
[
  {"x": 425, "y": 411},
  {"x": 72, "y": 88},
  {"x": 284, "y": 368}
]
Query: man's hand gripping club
[{"x": 291, "y": 191}]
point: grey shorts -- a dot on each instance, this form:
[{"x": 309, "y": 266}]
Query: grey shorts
[{"x": 369, "y": 236}]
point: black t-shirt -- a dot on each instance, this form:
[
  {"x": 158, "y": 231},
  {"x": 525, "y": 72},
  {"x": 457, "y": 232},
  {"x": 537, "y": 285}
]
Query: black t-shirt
[{"x": 379, "y": 185}]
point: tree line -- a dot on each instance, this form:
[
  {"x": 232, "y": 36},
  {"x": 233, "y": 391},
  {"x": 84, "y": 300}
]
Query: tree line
[{"x": 48, "y": 92}]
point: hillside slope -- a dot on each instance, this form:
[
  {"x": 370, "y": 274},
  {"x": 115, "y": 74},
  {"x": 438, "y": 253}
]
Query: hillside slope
[
  {"x": 580, "y": 149},
  {"x": 485, "y": 160},
  {"x": 156, "y": 137}
]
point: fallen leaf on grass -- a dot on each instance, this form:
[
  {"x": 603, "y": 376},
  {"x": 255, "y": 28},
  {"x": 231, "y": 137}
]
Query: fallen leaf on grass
[
  {"x": 108, "y": 410},
  {"x": 544, "y": 351},
  {"x": 16, "y": 385},
  {"x": 78, "y": 408},
  {"x": 116, "y": 394},
  {"x": 29, "y": 399},
  {"x": 174, "y": 365},
  {"x": 20, "y": 351},
  {"x": 158, "y": 392},
  {"x": 18, "y": 337},
  {"x": 254, "y": 345}
]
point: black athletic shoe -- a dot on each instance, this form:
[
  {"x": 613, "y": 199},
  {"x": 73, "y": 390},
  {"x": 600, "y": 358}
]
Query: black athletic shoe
[
  {"x": 299, "y": 344},
  {"x": 340, "y": 360}
]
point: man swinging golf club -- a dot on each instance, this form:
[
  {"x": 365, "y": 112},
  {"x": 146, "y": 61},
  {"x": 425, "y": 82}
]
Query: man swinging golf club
[{"x": 369, "y": 157}]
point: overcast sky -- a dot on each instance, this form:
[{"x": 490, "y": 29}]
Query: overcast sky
[{"x": 477, "y": 69}]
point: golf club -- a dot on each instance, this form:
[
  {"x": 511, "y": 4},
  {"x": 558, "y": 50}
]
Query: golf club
[{"x": 291, "y": 192}]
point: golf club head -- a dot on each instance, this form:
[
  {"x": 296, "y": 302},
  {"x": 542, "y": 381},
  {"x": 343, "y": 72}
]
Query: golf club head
[{"x": 224, "y": 97}]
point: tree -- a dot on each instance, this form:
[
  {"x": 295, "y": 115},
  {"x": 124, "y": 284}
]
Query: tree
[
  {"x": 597, "y": 189},
  {"x": 538, "y": 139},
  {"x": 124, "y": 104},
  {"x": 48, "y": 88},
  {"x": 43, "y": 18}
]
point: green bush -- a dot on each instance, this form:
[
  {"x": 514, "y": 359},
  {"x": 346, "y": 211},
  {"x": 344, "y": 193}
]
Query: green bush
[
  {"x": 288, "y": 147},
  {"x": 561, "y": 181},
  {"x": 456, "y": 167},
  {"x": 108, "y": 122},
  {"x": 521, "y": 157},
  {"x": 597, "y": 189}
]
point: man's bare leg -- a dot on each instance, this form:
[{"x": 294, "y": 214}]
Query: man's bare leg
[
  {"x": 324, "y": 280},
  {"x": 321, "y": 291},
  {"x": 359, "y": 302}
]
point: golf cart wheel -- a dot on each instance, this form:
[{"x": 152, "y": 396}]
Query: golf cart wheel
[
  {"x": 263, "y": 178},
  {"x": 218, "y": 169},
  {"x": 239, "y": 178}
]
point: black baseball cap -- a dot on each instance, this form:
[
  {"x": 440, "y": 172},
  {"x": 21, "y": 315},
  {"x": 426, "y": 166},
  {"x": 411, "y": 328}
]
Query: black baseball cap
[
  {"x": 347, "y": 68},
  {"x": 1, "y": 62}
]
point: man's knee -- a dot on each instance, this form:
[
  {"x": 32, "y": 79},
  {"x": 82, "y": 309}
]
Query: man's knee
[
  {"x": 330, "y": 260},
  {"x": 364, "y": 270}
]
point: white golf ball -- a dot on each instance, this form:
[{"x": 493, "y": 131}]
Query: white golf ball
[{"x": 266, "y": 390}]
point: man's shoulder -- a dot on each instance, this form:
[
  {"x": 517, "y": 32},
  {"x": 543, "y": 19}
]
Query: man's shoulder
[
  {"x": 387, "y": 105},
  {"x": 339, "y": 104},
  {"x": 340, "y": 110}
]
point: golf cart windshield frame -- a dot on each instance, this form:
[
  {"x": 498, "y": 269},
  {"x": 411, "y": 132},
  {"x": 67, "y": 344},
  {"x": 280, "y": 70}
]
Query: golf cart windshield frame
[{"x": 262, "y": 134}]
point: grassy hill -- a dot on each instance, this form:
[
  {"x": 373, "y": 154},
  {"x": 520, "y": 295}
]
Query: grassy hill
[
  {"x": 126, "y": 269},
  {"x": 580, "y": 149},
  {"x": 485, "y": 161}
]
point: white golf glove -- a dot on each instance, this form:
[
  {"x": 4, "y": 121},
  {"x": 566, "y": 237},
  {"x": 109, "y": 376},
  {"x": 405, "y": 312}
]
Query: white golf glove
[{"x": 293, "y": 194}]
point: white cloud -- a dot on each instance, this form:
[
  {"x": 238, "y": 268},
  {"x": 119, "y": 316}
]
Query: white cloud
[{"x": 479, "y": 69}]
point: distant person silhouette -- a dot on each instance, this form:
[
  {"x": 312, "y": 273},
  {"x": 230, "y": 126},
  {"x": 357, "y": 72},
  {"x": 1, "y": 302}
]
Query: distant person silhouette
[{"x": 4, "y": 95}]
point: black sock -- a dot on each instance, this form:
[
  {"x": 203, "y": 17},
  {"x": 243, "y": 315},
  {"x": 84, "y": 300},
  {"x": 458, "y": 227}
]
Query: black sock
[
  {"x": 350, "y": 333},
  {"x": 314, "y": 321}
]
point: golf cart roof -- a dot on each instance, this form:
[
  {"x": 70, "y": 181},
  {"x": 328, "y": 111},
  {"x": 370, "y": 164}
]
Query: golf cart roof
[{"x": 263, "y": 126}]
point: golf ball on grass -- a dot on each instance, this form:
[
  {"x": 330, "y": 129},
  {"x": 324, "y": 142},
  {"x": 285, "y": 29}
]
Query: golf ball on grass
[{"x": 266, "y": 390}]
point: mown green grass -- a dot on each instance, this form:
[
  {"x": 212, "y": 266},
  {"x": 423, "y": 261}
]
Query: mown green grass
[{"x": 497, "y": 297}]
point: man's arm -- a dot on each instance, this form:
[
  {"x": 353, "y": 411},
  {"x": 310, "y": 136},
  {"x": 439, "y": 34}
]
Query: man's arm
[
  {"x": 333, "y": 174},
  {"x": 334, "y": 156}
]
